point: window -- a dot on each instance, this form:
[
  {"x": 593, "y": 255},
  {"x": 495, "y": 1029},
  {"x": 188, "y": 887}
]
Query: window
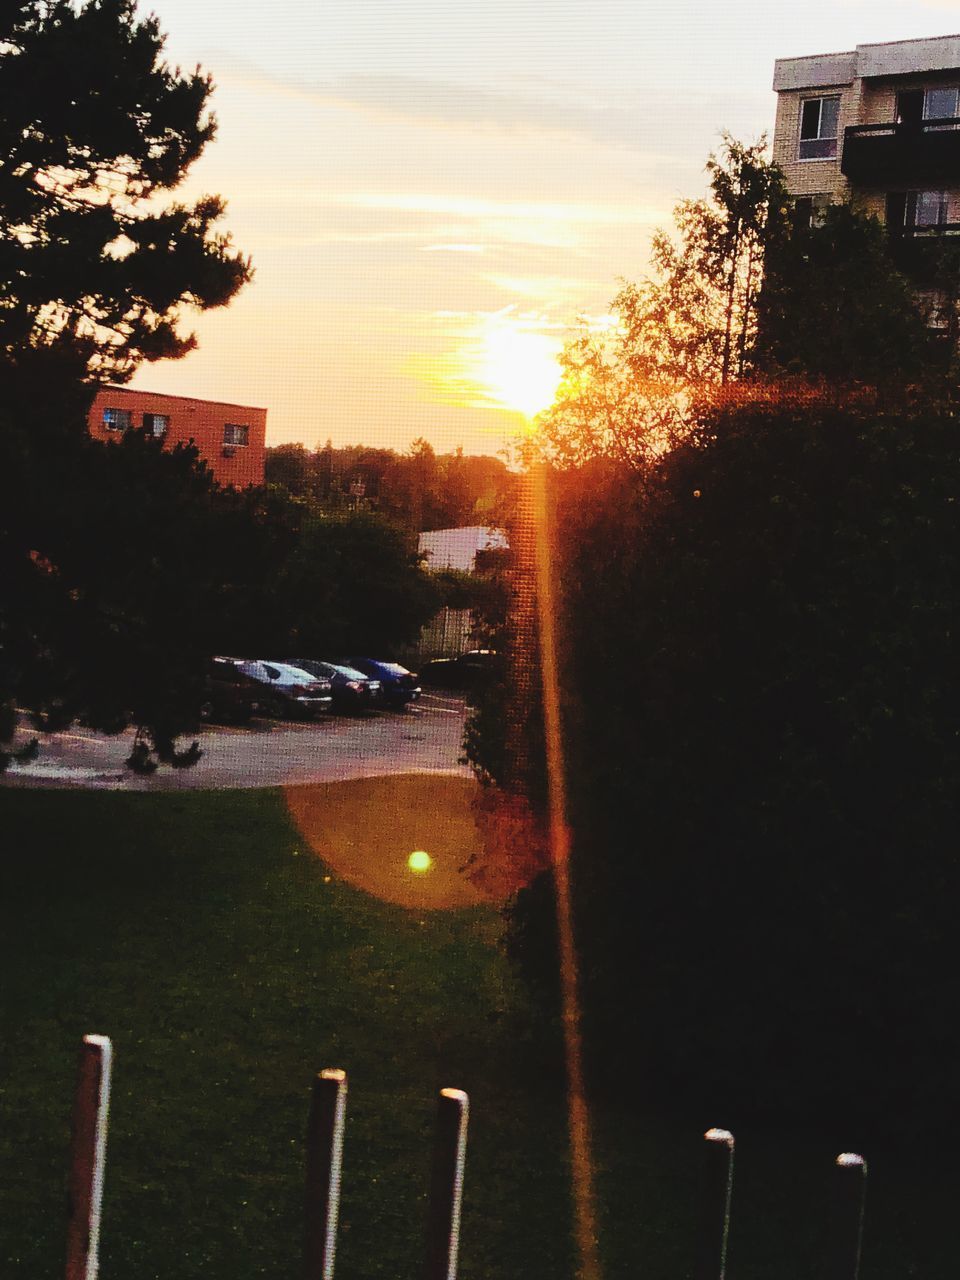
[
  {"x": 940, "y": 104},
  {"x": 819, "y": 121},
  {"x": 926, "y": 209},
  {"x": 234, "y": 434},
  {"x": 810, "y": 211},
  {"x": 156, "y": 424},
  {"x": 936, "y": 310},
  {"x": 916, "y": 212},
  {"x": 117, "y": 419}
]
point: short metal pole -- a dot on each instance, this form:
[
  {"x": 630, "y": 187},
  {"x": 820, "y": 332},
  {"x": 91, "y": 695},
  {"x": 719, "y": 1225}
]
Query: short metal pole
[
  {"x": 446, "y": 1185},
  {"x": 328, "y": 1107},
  {"x": 715, "y": 1202},
  {"x": 88, "y": 1149},
  {"x": 848, "y": 1212}
]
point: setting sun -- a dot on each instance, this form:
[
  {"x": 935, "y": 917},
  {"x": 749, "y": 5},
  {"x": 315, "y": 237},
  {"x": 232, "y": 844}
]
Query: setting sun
[{"x": 518, "y": 367}]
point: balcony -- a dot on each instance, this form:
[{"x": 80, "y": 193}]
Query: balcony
[{"x": 925, "y": 152}]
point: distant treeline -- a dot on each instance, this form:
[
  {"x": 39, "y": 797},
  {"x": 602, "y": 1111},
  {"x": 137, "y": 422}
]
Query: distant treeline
[{"x": 418, "y": 490}]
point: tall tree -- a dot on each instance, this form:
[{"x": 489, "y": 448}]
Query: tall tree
[
  {"x": 96, "y": 269},
  {"x": 684, "y": 332},
  {"x": 836, "y": 308}
]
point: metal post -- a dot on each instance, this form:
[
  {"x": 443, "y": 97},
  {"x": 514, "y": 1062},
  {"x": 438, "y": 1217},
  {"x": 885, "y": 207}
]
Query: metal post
[
  {"x": 716, "y": 1197},
  {"x": 328, "y": 1107},
  {"x": 848, "y": 1209},
  {"x": 88, "y": 1147},
  {"x": 446, "y": 1185}
]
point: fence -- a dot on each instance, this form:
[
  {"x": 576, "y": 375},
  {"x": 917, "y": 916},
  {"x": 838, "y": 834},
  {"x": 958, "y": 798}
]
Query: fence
[{"x": 325, "y": 1129}]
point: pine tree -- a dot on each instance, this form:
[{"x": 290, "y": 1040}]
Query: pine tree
[{"x": 95, "y": 270}]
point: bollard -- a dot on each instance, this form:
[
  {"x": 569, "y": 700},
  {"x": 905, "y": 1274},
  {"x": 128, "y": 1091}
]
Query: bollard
[
  {"x": 328, "y": 1107},
  {"x": 446, "y": 1185},
  {"x": 848, "y": 1210},
  {"x": 716, "y": 1195},
  {"x": 88, "y": 1148}
]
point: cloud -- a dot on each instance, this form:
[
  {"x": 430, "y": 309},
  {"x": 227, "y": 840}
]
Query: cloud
[
  {"x": 540, "y": 107},
  {"x": 508, "y": 210},
  {"x": 453, "y": 248}
]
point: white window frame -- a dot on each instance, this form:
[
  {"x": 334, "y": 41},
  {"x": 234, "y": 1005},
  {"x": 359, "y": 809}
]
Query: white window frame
[{"x": 820, "y": 98}]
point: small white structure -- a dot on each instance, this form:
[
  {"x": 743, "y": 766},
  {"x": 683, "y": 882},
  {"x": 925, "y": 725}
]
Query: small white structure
[
  {"x": 458, "y": 548},
  {"x": 451, "y": 631}
]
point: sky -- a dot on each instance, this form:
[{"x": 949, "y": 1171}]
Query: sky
[{"x": 433, "y": 191}]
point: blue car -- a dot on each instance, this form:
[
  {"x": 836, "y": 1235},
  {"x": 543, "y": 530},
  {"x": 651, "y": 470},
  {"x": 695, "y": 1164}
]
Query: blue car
[{"x": 398, "y": 686}]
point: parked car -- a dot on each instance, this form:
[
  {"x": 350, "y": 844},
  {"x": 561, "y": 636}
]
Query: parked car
[
  {"x": 228, "y": 693},
  {"x": 287, "y": 691},
  {"x": 469, "y": 671},
  {"x": 398, "y": 686},
  {"x": 352, "y": 690}
]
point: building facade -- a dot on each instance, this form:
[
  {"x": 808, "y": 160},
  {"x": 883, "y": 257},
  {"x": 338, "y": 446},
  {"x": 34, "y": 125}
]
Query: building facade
[
  {"x": 231, "y": 438},
  {"x": 879, "y": 126}
]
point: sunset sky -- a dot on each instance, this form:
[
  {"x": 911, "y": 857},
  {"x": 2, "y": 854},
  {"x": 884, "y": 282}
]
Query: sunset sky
[{"x": 432, "y": 191}]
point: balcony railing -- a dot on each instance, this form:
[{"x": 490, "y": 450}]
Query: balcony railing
[
  {"x": 928, "y": 231},
  {"x": 882, "y": 155}
]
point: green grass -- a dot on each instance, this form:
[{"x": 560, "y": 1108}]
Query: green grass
[
  {"x": 228, "y": 965},
  {"x": 227, "y": 970}
]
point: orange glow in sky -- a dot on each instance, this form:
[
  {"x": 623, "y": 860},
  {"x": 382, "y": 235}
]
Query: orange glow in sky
[{"x": 433, "y": 194}]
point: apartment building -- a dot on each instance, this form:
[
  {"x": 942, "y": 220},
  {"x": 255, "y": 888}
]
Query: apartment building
[
  {"x": 880, "y": 126},
  {"x": 231, "y": 438}
]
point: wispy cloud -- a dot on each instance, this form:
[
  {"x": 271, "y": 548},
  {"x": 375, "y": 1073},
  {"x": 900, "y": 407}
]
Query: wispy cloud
[
  {"x": 541, "y": 107},
  {"x": 453, "y": 248},
  {"x": 481, "y": 207},
  {"x": 547, "y": 290}
]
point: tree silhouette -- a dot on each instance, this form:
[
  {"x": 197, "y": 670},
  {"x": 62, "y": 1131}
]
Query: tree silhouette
[
  {"x": 95, "y": 270},
  {"x": 106, "y": 553}
]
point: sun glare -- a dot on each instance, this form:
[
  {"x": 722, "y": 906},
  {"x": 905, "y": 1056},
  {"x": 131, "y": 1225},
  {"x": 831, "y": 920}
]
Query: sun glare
[{"x": 518, "y": 367}]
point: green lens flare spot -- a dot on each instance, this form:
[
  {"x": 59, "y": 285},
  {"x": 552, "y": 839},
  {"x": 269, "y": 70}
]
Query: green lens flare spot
[{"x": 419, "y": 860}]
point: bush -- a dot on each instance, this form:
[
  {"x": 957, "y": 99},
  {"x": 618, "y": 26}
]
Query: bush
[{"x": 761, "y": 694}]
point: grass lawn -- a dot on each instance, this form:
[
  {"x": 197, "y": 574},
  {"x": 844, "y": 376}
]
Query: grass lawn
[
  {"x": 227, "y": 968},
  {"x": 228, "y": 965}
]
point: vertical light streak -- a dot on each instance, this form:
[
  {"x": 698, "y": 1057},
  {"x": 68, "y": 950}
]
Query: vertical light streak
[{"x": 578, "y": 1117}]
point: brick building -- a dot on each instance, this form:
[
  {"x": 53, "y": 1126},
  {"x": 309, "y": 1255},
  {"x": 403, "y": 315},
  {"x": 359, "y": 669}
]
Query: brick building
[
  {"x": 231, "y": 438},
  {"x": 880, "y": 125}
]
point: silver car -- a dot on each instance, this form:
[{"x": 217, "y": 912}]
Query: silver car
[{"x": 287, "y": 691}]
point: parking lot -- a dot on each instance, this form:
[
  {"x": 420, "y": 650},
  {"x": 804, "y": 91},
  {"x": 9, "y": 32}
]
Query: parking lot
[{"x": 426, "y": 738}]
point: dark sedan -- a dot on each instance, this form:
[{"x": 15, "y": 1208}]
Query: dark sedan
[
  {"x": 471, "y": 670},
  {"x": 352, "y": 690},
  {"x": 398, "y": 686},
  {"x": 228, "y": 694}
]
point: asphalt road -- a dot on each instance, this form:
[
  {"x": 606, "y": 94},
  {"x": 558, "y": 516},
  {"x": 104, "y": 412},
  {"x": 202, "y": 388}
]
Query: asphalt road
[{"x": 423, "y": 739}]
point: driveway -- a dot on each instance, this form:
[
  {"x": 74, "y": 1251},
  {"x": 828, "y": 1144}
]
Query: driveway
[{"x": 423, "y": 739}]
